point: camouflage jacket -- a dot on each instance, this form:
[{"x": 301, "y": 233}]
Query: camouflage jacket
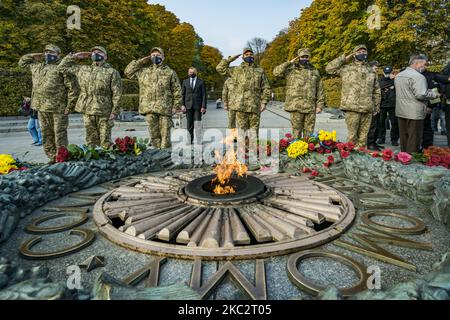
[
  {"x": 159, "y": 87},
  {"x": 250, "y": 86},
  {"x": 360, "y": 87},
  {"x": 100, "y": 87},
  {"x": 52, "y": 91},
  {"x": 304, "y": 88},
  {"x": 227, "y": 92}
]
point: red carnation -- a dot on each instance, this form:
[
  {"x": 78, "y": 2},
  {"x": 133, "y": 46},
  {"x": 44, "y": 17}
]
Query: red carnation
[
  {"x": 388, "y": 154},
  {"x": 331, "y": 159},
  {"x": 312, "y": 147},
  {"x": 314, "y": 173},
  {"x": 62, "y": 155},
  {"x": 321, "y": 150},
  {"x": 345, "y": 154},
  {"x": 435, "y": 159}
]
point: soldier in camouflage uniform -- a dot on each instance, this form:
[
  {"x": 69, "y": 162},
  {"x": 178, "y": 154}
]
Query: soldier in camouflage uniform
[
  {"x": 54, "y": 95},
  {"x": 251, "y": 90},
  {"x": 304, "y": 92},
  {"x": 226, "y": 95},
  {"x": 160, "y": 95},
  {"x": 361, "y": 94},
  {"x": 101, "y": 91}
]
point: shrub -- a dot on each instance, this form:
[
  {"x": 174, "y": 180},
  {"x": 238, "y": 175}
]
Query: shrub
[
  {"x": 130, "y": 102},
  {"x": 130, "y": 86},
  {"x": 14, "y": 84}
]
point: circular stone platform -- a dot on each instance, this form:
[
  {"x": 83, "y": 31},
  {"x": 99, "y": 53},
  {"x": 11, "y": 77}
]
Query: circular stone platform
[{"x": 175, "y": 217}]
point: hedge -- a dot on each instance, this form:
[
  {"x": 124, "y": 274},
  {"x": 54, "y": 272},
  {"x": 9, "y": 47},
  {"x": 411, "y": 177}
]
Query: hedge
[
  {"x": 130, "y": 86},
  {"x": 332, "y": 88},
  {"x": 130, "y": 102},
  {"x": 14, "y": 84}
]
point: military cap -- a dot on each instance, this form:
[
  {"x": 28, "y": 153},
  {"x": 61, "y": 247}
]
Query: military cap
[
  {"x": 157, "y": 49},
  {"x": 358, "y": 47},
  {"x": 52, "y": 47},
  {"x": 304, "y": 52},
  {"x": 102, "y": 49},
  {"x": 247, "y": 50}
]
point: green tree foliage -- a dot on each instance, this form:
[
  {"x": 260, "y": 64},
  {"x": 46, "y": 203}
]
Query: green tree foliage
[
  {"x": 127, "y": 29},
  {"x": 333, "y": 27},
  {"x": 210, "y": 58}
]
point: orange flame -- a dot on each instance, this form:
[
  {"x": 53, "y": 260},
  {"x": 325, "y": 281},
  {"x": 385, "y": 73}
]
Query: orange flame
[{"x": 228, "y": 165}]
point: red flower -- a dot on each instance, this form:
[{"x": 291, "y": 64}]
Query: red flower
[
  {"x": 328, "y": 151},
  {"x": 321, "y": 150},
  {"x": 312, "y": 147},
  {"x": 289, "y": 136},
  {"x": 375, "y": 155},
  {"x": 314, "y": 173},
  {"x": 446, "y": 159},
  {"x": 327, "y": 164},
  {"x": 331, "y": 159},
  {"x": 62, "y": 155},
  {"x": 340, "y": 146},
  {"x": 328, "y": 143},
  {"x": 306, "y": 170},
  {"x": 404, "y": 158},
  {"x": 350, "y": 146},
  {"x": 388, "y": 154},
  {"x": 435, "y": 159},
  {"x": 345, "y": 154},
  {"x": 284, "y": 144}
]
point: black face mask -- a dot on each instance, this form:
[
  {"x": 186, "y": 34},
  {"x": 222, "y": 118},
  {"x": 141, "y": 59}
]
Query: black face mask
[
  {"x": 249, "y": 59},
  {"x": 97, "y": 57},
  {"x": 361, "y": 57},
  {"x": 49, "y": 58},
  {"x": 193, "y": 76},
  {"x": 156, "y": 60}
]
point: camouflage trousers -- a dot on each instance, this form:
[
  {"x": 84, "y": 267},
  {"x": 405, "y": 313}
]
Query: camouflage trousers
[
  {"x": 231, "y": 119},
  {"x": 247, "y": 120},
  {"x": 54, "y": 132},
  {"x": 303, "y": 124},
  {"x": 98, "y": 130},
  {"x": 159, "y": 127},
  {"x": 358, "y": 126}
]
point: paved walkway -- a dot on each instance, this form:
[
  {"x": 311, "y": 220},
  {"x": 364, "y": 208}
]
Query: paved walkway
[{"x": 18, "y": 142}]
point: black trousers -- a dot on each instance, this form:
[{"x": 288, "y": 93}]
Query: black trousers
[
  {"x": 428, "y": 134},
  {"x": 192, "y": 116},
  {"x": 373, "y": 132},
  {"x": 388, "y": 113},
  {"x": 411, "y": 133}
]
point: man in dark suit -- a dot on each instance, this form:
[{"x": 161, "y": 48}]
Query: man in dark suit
[{"x": 194, "y": 100}]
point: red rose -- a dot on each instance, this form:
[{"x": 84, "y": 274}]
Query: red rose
[
  {"x": 404, "y": 157},
  {"x": 436, "y": 159},
  {"x": 321, "y": 150},
  {"x": 375, "y": 155},
  {"x": 331, "y": 159},
  {"x": 350, "y": 146},
  {"x": 289, "y": 136},
  {"x": 62, "y": 155},
  {"x": 328, "y": 143},
  {"x": 345, "y": 154},
  {"x": 314, "y": 173},
  {"x": 328, "y": 151},
  {"x": 312, "y": 147},
  {"x": 446, "y": 159},
  {"x": 387, "y": 155},
  {"x": 340, "y": 146},
  {"x": 327, "y": 164}
]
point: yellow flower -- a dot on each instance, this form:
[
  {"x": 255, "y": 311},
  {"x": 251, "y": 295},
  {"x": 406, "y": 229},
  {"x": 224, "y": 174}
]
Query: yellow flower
[
  {"x": 137, "y": 150},
  {"x": 7, "y": 162},
  {"x": 326, "y": 136},
  {"x": 297, "y": 149}
]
